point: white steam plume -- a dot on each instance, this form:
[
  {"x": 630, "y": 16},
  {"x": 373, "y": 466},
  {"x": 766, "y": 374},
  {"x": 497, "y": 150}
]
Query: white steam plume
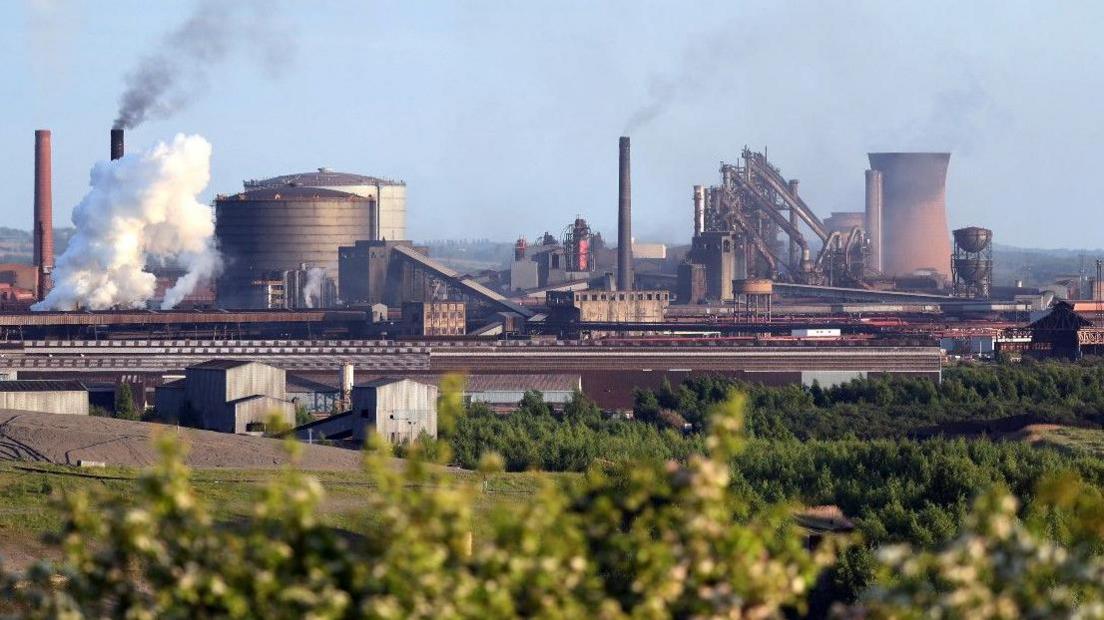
[
  {"x": 140, "y": 207},
  {"x": 313, "y": 289}
]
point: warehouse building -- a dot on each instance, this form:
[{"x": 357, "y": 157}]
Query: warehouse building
[
  {"x": 45, "y": 396},
  {"x": 399, "y": 410},
  {"x": 594, "y": 306},
  {"x": 229, "y": 396},
  {"x": 434, "y": 318}
]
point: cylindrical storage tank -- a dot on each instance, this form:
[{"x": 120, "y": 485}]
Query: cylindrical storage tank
[
  {"x": 973, "y": 239},
  {"x": 843, "y": 221},
  {"x": 915, "y": 235},
  {"x": 753, "y": 286},
  {"x": 974, "y": 270},
  {"x": 269, "y": 230},
  {"x": 390, "y": 196}
]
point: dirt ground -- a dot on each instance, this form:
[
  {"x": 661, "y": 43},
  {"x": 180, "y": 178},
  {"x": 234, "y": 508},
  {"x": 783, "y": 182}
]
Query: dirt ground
[{"x": 68, "y": 439}]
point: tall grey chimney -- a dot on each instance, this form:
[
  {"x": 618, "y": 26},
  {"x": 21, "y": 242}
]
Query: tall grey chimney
[
  {"x": 116, "y": 144},
  {"x": 699, "y": 210},
  {"x": 624, "y": 220}
]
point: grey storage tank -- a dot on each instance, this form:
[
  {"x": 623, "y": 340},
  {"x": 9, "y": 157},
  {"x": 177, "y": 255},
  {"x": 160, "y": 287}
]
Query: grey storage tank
[
  {"x": 266, "y": 230},
  {"x": 389, "y": 214}
]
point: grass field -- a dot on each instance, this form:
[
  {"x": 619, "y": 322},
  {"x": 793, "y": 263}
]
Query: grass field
[
  {"x": 29, "y": 492},
  {"x": 1090, "y": 440}
]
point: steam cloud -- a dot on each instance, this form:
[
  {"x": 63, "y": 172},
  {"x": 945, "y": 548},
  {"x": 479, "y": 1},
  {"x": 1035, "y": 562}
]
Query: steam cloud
[
  {"x": 174, "y": 74},
  {"x": 312, "y": 291},
  {"x": 140, "y": 207}
]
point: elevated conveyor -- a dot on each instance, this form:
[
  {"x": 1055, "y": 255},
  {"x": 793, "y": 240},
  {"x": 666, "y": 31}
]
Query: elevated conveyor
[{"x": 465, "y": 284}]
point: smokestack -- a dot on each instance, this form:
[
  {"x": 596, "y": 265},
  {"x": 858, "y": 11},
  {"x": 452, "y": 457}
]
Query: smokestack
[
  {"x": 43, "y": 212},
  {"x": 624, "y": 220},
  {"x": 348, "y": 372},
  {"x": 699, "y": 210},
  {"x": 116, "y": 144},
  {"x": 874, "y": 216}
]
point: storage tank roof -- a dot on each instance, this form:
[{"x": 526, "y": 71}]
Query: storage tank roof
[
  {"x": 323, "y": 177},
  {"x": 292, "y": 192}
]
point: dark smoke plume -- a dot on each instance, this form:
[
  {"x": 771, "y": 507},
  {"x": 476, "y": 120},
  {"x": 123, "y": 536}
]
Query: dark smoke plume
[
  {"x": 176, "y": 72},
  {"x": 701, "y": 63}
]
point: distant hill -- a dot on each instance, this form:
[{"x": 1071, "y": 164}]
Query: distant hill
[
  {"x": 1037, "y": 267},
  {"x": 16, "y": 245}
]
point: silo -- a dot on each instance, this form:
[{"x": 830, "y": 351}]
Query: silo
[
  {"x": 915, "y": 235},
  {"x": 263, "y": 231},
  {"x": 389, "y": 196}
]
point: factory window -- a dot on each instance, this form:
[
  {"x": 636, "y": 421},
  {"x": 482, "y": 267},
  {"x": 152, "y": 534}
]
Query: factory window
[
  {"x": 649, "y": 296},
  {"x": 621, "y": 297}
]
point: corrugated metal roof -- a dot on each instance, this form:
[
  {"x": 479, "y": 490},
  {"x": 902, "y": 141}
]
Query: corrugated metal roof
[
  {"x": 381, "y": 382},
  {"x": 220, "y": 364},
  {"x": 498, "y": 383},
  {"x": 510, "y": 383},
  {"x": 244, "y": 399},
  {"x": 322, "y": 177},
  {"x": 43, "y": 385},
  {"x": 296, "y": 383}
]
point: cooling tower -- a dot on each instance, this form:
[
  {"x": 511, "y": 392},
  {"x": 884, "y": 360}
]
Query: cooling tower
[{"x": 914, "y": 212}]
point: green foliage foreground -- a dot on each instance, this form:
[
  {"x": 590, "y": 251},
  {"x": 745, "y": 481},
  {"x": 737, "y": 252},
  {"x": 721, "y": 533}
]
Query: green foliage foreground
[{"x": 641, "y": 539}]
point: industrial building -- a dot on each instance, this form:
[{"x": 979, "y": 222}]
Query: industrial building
[
  {"x": 305, "y": 287},
  {"x": 369, "y": 273},
  {"x": 434, "y": 318},
  {"x": 397, "y": 410},
  {"x": 597, "y": 306},
  {"x": 45, "y": 396},
  {"x": 393, "y": 272},
  {"x": 229, "y": 396}
]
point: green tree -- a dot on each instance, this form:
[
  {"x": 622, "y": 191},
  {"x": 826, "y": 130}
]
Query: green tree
[{"x": 125, "y": 408}]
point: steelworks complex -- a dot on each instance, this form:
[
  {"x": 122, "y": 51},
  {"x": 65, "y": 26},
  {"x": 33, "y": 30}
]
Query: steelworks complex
[{"x": 321, "y": 282}]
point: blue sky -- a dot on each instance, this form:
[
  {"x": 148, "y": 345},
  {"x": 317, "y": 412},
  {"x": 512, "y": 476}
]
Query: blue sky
[{"x": 503, "y": 117}]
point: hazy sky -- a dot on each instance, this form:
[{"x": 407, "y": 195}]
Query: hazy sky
[{"x": 503, "y": 117}]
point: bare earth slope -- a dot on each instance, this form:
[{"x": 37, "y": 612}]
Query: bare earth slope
[{"x": 67, "y": 439}]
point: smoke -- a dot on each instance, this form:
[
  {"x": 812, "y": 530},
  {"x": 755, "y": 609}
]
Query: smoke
[
  {"x": 176, "y": 72},
  {"x": 142, "y": 207},
  {"x": 313, "y": 289},
  {"x": 701, "y": 64}
]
